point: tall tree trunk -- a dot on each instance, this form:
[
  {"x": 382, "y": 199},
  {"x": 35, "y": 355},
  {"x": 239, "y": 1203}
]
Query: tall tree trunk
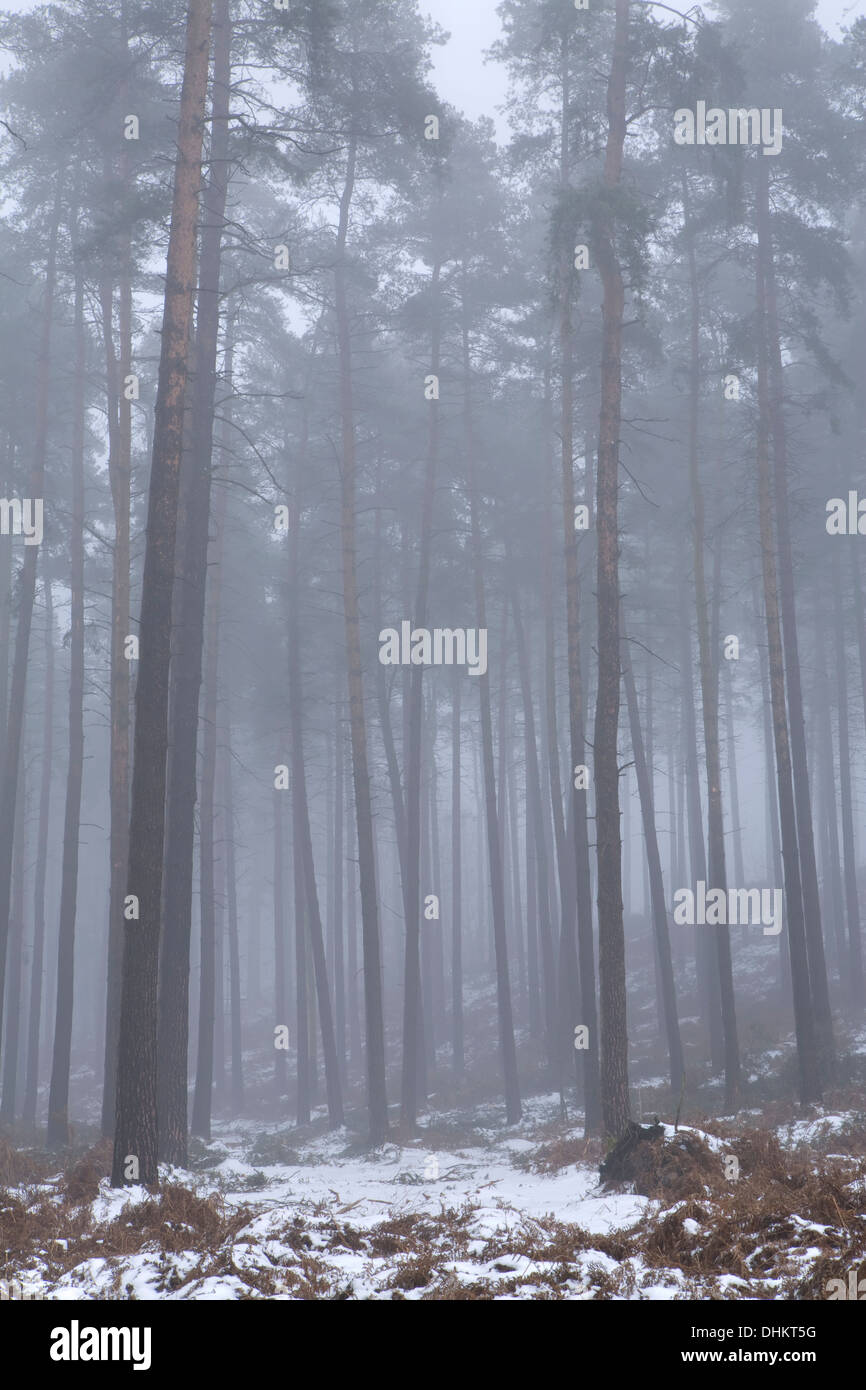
[
  {"x": 58, "y": 1101},
  {"x": 280, "y": 1000},
  {"x": 832, "y": 873},
  {"x": 303, "y": 1072},
  {"x": 796, "y": 719},
  {"x": 614, "y": 1025},
  {"x": 16, "y": 964},
  {"x": 717, "y": 873},
  {"x": 412, "y": 755},
  {"x": 119, "y": 410},
  {"x": 508, "y": 1051},
  {"x": 733, "y": 783},
  {"x": 457, "y": 1044},
  {"x": 535, "y": 806},
  {"x": 204, "y": 1071},
  {"x": 854, "y": 963},
  {"x": 26, "y": 596},
  {"x": 187, "y": 663},
  {"x": 120, "y": 477},
  {"x": 804, "y": 1021},
  {"x": 136, "y": 1128},
  {"x": 37, "y": 967},
  {"x": 337, "y": 921},
  {"x": 657, "y": 889},
  {"x": 301, "y": 822},
  {"x": 237, "y": 1064},
  {"x": 377, "y": 1099}
]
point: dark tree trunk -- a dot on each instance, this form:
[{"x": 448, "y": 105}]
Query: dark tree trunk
[
  {"x": 204, "y": 1071},
  {"x": 731, "y": 750},
  {"x": 16, "y": 971},
  {"x": 614, "y": 1025},
  {"x": 58, "y": 1101},
  {"x": 534, "y": 800},
  {"x": 832, "y": 874},
  {"x": 187, "y": 663},
  {"x": 136, "y": 1128},
  {"x": 37, "y": 967},
  {"x": 280, "y": 1001},
  {"x": 412, "y": 756},
  {"x": 305, "y": 865},
  {"x": 508, "y": 1051},
  {"x": 303, "y": 1073},
  {"x": 337, "y": 919},
  {"x": 796, "y": 719},
  {"x": 377, "y": 1098},
  {"x": 26, "y": 596},
  {"x": 237, "y": 1064},
  {"x": 120, "y": 477},
  {"x": 804, "y": 1020},
  {"x": 657, "y": 890},
  {"x": 854, "y": 963},
  {"x": 457, "y": 1044},
  {"x": 717, "y": 873}
]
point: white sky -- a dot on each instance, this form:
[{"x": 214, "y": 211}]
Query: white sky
[
  {"x": 477, "y": 89},
  {"x": 462, "y": 76}
]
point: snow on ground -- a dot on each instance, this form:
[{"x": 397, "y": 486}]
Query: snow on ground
[{"x": 267, "y": 1214}]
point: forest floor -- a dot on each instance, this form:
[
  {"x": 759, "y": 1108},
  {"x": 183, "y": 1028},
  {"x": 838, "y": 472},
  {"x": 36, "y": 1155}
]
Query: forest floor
[{"x": 472, "y": 1210}]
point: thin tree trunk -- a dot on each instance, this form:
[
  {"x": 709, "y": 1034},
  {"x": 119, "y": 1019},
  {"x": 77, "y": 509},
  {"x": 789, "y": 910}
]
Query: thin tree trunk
[
  {"x": 832, "y": 874},
  {"x": 120, "y": 476},
  {"x": 237, "y": 1064},
  {"x": 614, "y": 1025},
  {"x": 733, "y": 783},
  {"x": 204, "y": 1071},
  {"x": 661, "y": 931},
  {"x": 507, "y": 1047},
  {"x": 16, "y": 963},
  {"x": 58, "y": 1101},
  {"x": 337, "y": 921},
  {"x": 305, "y": 865},
  {"x": 412, "y": 757},
  {"x": 854, "y": 963},
  {"x": 302, "y": 1007},
  {"x": 535, "y": 809},
  {"x": 717, "y": 873},
  {"x": 457, "y": 1054},
  {"x": 119, "y": 409},
  {"x": 280, "y": 1007},
  {"x": 804, "y": 1022},
  {"x": 377, "y": 1099},
  {"x": 37, "y": 968},
  {"x": 25, "y": 598},
  {"x": 796, "y": 719}
]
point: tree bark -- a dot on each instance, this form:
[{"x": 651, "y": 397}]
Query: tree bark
[
  {"x": 804, "y": 1021},
  {"x": 717, "y": 872},
  {"x": 657, "y": 889},
  {"x": 187, "y": 662},
  {"x": 58, "y": 1101},
  {"x": 26, "y": 596},
  {"x": 377, "y": 1099},
  {"x": 854, "y": 963},
  {"x": 796, "y": 719},
  {"x": 507, "y": 1047},
  {"x": 614, "y": 1024},
  {"x": 37, "y": 966}
]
